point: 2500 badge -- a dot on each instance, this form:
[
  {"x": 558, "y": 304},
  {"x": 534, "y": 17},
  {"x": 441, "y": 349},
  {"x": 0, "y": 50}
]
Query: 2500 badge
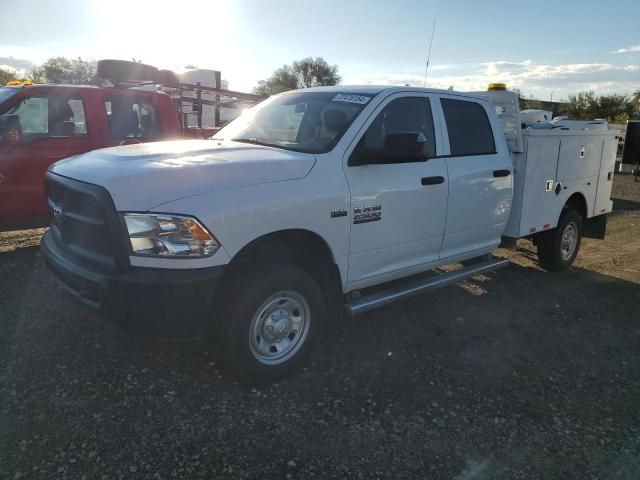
[{"x": 370, "y": 213}]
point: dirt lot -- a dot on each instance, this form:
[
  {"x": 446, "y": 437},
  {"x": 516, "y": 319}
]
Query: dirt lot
[{"x": 522, "y": 374}]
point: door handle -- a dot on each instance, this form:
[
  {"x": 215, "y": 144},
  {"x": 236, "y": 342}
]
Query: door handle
[
  {"x": 432, "y": 180},
  {"x": 501, "y": 173}
]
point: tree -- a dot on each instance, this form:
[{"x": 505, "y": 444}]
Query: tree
[
  {"x": 7, "y": 76},
  {"x": 75, "y": 71},
  {"x": 283, "y": 79},
  {"x": 308, "y": 72},
  {"x": 315, "y": 72},
  {"x": 614, "y": 108}
]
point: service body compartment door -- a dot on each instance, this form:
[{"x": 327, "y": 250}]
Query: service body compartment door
[
  {"x": 603, "y": 203},
  {"x": 579, "y": 166},
  {"x": 579, "y": 157},
  {"x": 539, "y": 198}
]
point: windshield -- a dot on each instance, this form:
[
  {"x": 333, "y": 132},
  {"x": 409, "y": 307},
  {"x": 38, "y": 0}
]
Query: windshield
[
  {"x": 6, "y": 92},
  {"x": 311, "y": 122}
]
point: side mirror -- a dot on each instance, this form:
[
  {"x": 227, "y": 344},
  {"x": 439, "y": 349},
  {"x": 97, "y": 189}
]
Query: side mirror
[
  {"x": 397, "y": 148},
  {"x": 405, "y": 147},
  {"x": 10, "y": 129}
]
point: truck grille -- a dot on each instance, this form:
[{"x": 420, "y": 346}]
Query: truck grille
[{"x": 85, "y": 223}]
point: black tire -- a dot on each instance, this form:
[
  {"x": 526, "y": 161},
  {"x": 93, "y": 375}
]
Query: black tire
[
  {"x": 168, "y": 78},
  {"x": 553, "y": 255},
  {"x": 247, "y": 295},
  {"x": 125, "y": 71}
]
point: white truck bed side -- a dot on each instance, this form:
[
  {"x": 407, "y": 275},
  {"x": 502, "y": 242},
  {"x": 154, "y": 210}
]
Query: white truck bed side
[{"x": 556, "y": 164}]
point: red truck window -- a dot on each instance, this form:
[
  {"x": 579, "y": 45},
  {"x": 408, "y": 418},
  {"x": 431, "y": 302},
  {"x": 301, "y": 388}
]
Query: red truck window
[
  {"x": 51, "y": 116},
  {"x": 127, "y": 117}
]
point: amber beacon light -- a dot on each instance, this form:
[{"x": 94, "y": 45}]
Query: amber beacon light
[{"x": 497, "y": 86}]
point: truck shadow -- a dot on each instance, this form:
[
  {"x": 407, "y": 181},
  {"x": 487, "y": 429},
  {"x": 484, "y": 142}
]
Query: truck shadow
[
  {"x": 491, "y": 326},
  {"x": 622, "y": 204}
]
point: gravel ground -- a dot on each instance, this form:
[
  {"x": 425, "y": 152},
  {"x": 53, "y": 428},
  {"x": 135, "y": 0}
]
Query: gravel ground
[{"x": 518, "y": 374}]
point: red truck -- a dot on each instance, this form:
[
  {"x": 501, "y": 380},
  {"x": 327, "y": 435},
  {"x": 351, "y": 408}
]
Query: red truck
[{"x": 41, "y": 124}]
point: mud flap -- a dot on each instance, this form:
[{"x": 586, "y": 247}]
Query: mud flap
[
  {"x": 595, "y": 227},
  {"x": 508, "y": 242}
]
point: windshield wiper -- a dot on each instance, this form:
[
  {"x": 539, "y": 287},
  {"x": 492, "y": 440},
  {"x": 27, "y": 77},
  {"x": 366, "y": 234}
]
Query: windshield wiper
[{"x": 253, "y": 141}]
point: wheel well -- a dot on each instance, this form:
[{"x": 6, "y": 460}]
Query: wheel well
[
  {"x": 302, "y": 248},
  {"x": 578, "y": 203}
]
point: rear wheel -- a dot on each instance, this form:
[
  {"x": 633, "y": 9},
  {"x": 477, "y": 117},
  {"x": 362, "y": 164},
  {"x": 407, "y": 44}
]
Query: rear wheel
[
  {"x": 269, "y": 323},
  {"x": 558, "y": 248}
]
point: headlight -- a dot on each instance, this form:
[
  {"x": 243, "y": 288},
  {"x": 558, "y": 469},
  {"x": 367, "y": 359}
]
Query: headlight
[{"x": 167, "y": 235}]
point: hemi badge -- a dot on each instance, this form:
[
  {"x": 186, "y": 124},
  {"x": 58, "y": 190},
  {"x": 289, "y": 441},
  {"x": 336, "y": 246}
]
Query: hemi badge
[{"x": 338, "y": 213}]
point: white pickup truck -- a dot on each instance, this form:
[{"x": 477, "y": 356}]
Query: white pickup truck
[{"x": 347, "y": 196}]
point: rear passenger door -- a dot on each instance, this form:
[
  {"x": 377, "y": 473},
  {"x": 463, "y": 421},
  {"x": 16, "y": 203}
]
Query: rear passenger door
[
  {"x": 480, "y": 178},
  {"x": 130, "y": 119}
]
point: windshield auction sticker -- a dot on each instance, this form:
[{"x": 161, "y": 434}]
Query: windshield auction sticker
[{"x": 345, "y": 97}]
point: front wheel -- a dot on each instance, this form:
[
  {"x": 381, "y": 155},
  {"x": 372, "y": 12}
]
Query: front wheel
[
  {"x": 558, "y": 248},
  {"x": 269, "y": 323}
]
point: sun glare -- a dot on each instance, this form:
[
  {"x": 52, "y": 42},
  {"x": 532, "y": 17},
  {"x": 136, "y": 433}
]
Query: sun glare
[{"x": 166, "y": 34}]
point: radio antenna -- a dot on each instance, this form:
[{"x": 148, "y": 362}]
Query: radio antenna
[{"x": 426, "y": 69}]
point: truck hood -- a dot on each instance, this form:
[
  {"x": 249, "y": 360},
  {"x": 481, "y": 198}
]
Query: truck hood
[{"x": 143, "y": 176}]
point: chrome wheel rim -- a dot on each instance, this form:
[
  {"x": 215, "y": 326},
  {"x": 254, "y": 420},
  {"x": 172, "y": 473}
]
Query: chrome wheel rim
[
  {"x": 569, "y": 240},
  {"x": 279, "y": 328}
]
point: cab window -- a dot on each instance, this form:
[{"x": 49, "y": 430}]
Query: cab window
[
  {"x": 128, "y": 117},
  {"x": 402, "y": 132},
  {"x": 43, "y": 116},
  {"x": 468, "y": 127}
]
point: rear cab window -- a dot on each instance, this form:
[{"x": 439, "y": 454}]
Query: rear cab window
[
  {"x": 131, "y": 117},
  {"x": 469, "y": 128}
]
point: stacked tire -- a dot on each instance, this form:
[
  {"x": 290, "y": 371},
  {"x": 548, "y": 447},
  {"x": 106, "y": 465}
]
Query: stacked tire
[{"x": 122, "y": 71}]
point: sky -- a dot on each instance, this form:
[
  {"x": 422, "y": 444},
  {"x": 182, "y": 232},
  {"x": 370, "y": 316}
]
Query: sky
[{"x": 547, "y": 49}]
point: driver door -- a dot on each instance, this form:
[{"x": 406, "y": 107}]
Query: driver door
[
  {"x": 53, "y": 127},
  {"x": 398, "y": 200}
]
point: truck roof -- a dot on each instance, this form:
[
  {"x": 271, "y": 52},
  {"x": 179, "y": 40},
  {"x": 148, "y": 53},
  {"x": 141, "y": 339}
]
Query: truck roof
[
  {"x": 49, "y": 86},
  {"x": 376, "y": 89}
]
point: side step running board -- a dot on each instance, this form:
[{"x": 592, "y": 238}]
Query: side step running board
[{"x": 381, "y": 298}]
